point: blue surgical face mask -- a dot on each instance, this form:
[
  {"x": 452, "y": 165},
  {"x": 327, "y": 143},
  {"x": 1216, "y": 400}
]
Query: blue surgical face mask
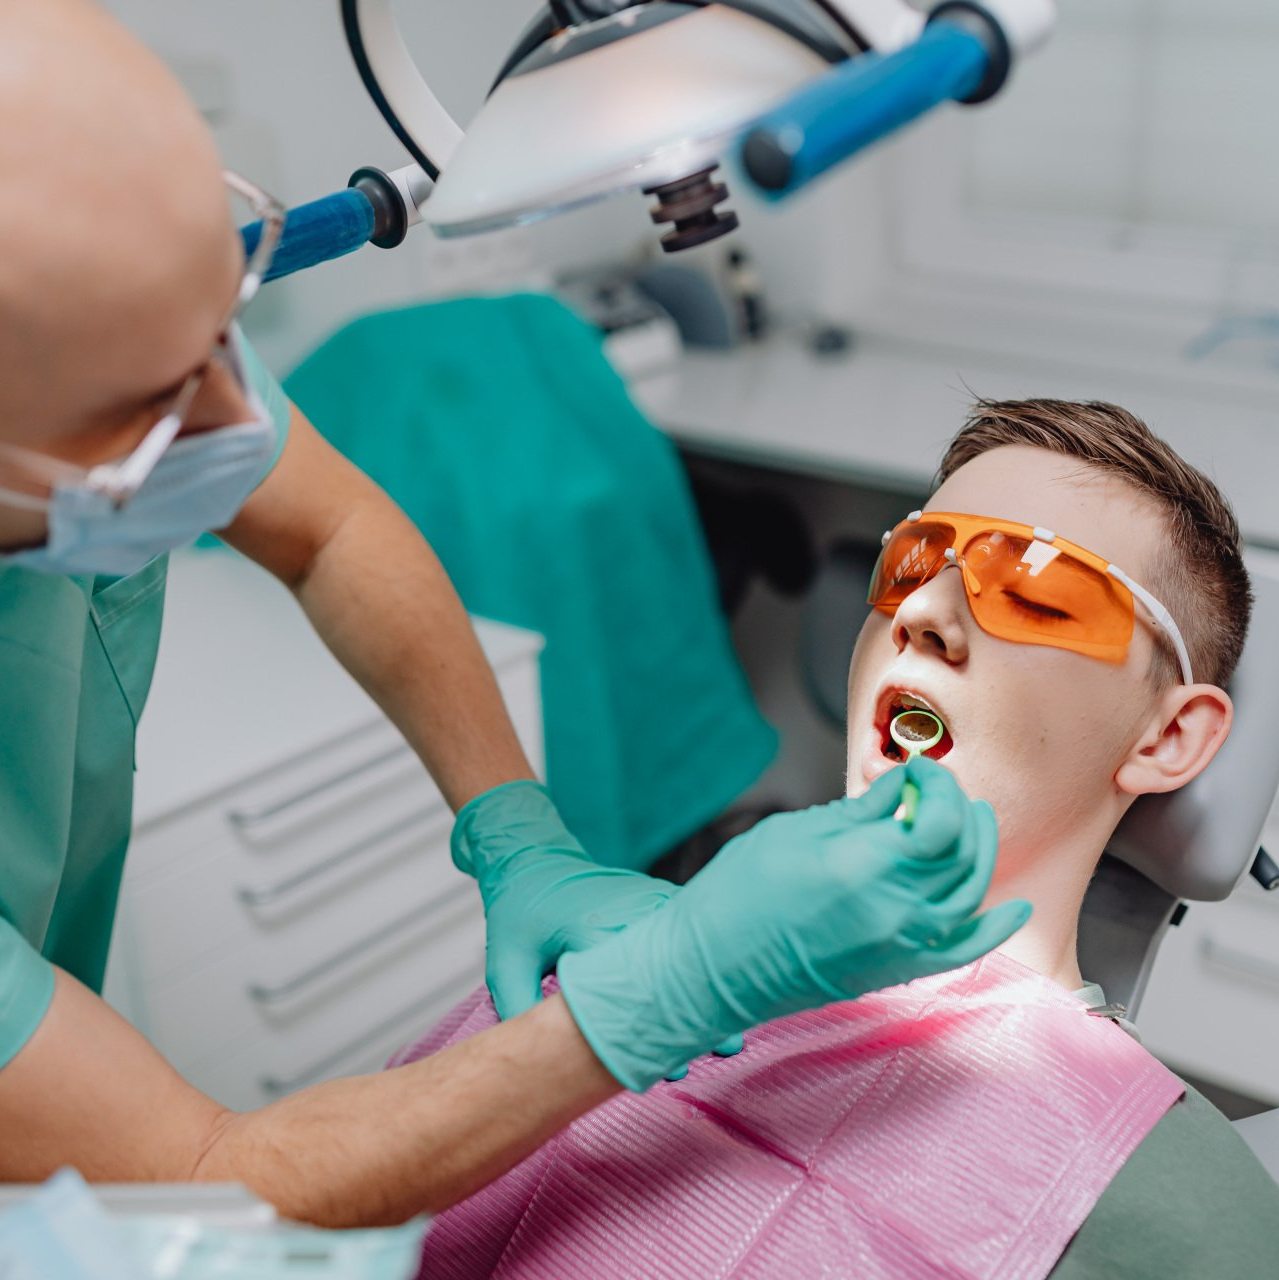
[{"x": 200, "y": 483}]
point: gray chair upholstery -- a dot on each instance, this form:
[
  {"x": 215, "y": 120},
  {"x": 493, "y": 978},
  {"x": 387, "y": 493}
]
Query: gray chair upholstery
[{"x": 1261, "y": 1133}]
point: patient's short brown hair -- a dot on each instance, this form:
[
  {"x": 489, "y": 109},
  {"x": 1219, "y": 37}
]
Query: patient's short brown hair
[{"x": 1202, "y": 580}]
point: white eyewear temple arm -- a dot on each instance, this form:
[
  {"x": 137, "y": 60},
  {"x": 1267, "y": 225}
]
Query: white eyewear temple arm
[{"x": 1161, "y": 616}]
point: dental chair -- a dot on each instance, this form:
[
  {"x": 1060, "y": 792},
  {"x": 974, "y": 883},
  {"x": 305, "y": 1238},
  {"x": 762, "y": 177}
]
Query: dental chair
[{"x": 1194, "y": 845}]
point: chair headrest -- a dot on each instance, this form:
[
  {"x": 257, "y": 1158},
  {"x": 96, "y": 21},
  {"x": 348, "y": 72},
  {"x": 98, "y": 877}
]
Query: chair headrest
[{"x": 1200, "y": 841}]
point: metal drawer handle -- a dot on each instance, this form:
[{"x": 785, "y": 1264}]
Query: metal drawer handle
[
  {"x": 1240, "y": 961},
  {"x": 292, "y": 987},
  {"x": 277, "y": 1087},
  {"x": 271, "y": 894},
  {"x": 248, "y": 819}
]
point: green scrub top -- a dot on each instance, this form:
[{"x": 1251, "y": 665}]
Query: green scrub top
[{"x": 76, "y": 659}]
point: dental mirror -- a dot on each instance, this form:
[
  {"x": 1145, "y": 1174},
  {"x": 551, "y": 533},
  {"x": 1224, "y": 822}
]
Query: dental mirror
[{"x": 915, "y": 732}]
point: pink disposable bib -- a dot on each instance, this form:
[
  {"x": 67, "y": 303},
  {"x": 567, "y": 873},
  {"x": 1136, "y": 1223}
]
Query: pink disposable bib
[{"x": 961, "y": 1125}]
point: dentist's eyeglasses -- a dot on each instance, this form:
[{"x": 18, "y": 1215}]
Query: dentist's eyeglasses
[{"x": 28, "y": 478}]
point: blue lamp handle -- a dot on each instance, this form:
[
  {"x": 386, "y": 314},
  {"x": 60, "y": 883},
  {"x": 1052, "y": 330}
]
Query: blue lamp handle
[
  {"x": 861, "y": 101},
  {"x": 326, "y": 228}
]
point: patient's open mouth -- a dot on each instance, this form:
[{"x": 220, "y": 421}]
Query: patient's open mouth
[{"x": 896, "y": 703}]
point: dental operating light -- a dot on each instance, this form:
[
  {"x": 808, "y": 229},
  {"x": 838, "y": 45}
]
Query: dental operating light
[{"x": 603, "y": 97}]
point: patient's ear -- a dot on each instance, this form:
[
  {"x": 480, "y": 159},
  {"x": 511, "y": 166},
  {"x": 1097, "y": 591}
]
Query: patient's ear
[{"x": 1186, "y": 729}]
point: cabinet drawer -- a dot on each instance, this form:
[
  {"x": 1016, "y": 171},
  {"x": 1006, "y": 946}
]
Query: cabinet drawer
[
  {"x": 1212, "y": 1007},
  {"x": 271, "y": 1069},
  {"x": 337, "y": 779},
  {"x": 307, "y": 791},
  {"x": 273, "y": 978},
  {"x": 356, "y": 1028},
  {"x": 189, "y": 912},
  {"x": 310, "y": 794}
]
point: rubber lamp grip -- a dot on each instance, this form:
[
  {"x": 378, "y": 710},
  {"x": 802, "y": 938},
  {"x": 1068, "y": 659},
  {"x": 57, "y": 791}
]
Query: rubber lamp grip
[
  {"x": 859, "y": 102},
  {"x": 327, "y": 228}
]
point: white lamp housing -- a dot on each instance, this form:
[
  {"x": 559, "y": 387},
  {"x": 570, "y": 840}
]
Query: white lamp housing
[
  {"x": 631, "y": 114},
  {"x": 650, "y": 96}
]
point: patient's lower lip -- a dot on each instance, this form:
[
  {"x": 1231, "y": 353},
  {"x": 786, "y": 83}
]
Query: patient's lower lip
[{"x": 874, "y": 763}]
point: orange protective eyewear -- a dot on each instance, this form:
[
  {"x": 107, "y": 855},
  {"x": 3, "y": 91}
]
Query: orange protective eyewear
[{"x": 1023, "y": 583}]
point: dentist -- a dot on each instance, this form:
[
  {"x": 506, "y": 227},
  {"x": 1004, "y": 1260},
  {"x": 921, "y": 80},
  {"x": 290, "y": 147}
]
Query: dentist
[{"x": 133, "y": 416}]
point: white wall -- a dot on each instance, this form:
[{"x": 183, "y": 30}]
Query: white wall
[
  {"x": 1142, "y": 110},
  {"x": 290, "y": 112}
]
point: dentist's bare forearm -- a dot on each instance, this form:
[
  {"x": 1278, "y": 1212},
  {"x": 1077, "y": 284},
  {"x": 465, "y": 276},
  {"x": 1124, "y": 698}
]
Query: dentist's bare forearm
[
  {"x": 88, "y": 1091},
  {"x": 384, "y": 605},
  {"x": 382, "y": 602},
  {"x": 373, "y": 1150}
]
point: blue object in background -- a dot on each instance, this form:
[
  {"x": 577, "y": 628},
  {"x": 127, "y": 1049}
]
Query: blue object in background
[
  {"x": 313, "y": 233},
  {"x": 859, "y": 102},
  {"x": 62, "y": 1231},
  {"x": 503, "y": 432}
]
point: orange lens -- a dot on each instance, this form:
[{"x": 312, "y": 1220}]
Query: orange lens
[
  {"x": 1034, "y": 593},
  {"x": 1019, "y": 588},
  {"x": 913, "y": 554}
]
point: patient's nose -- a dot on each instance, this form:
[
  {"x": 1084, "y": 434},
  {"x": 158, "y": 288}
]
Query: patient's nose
[{"x": 934, "y": 619}]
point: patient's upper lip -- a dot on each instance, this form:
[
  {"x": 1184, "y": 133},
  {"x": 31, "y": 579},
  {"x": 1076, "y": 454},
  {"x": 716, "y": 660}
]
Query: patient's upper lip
[{"x": 894, "y": 694}]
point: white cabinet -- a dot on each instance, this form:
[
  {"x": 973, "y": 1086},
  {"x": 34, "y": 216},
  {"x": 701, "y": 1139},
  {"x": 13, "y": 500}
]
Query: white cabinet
[{"x": 289, "y": 911}]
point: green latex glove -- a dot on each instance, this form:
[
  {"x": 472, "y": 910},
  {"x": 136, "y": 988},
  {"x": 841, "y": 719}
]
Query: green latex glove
[
  {"x": 543, "y": 896},
  {"x": 804, "y": 909}
]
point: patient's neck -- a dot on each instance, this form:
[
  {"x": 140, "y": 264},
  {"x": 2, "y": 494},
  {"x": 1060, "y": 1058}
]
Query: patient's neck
[{"x": 1053, "y": 882}]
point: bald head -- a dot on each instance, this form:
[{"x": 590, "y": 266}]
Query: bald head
[{"x": 120, "y": 259}]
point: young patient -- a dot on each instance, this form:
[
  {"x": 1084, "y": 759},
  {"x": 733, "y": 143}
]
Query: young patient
[{"x": 979, "y": 1122}]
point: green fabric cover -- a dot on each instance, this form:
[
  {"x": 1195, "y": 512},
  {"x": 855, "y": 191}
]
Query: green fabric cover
[
  {"x": 502, "y": 431},
  {"x": 1191, "y": 1201}
]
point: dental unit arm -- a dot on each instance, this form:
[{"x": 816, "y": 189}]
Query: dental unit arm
[{"x": 599, "y": 97}]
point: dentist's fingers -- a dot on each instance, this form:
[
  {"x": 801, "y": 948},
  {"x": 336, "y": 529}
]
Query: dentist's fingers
[
  {"x": 983, "y": 933},
  {"x": 957, "y": 883},
  {"x": 941, "y": 874},
  {"x": 970, "y": 859},
  {"x": 941, "y": 812},
  {"x": 842, "y": 822},
  {"x": 725, "y": 1049},
  {"x": 960, "y": 891},
  {"x": 878, "y": 802},
  {"x": 969, "y": 892},
  {"x": 515, "y": 982},
  {"x": 880, "y": 799}
]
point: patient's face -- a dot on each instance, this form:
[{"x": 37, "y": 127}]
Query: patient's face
[{"x": 1037, "y": 731}]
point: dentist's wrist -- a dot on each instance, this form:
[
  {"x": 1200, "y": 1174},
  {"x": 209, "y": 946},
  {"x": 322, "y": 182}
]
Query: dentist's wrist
[
  {"x": 610, "y": 1015},
  {"x": 509, "y": 819},
  {"x": 644, "y": 1014}
]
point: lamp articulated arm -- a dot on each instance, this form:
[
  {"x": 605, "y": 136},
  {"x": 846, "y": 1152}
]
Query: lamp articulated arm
[
  {"x": 396, "y": 85},
  {"x": 889, "y": 63}
]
